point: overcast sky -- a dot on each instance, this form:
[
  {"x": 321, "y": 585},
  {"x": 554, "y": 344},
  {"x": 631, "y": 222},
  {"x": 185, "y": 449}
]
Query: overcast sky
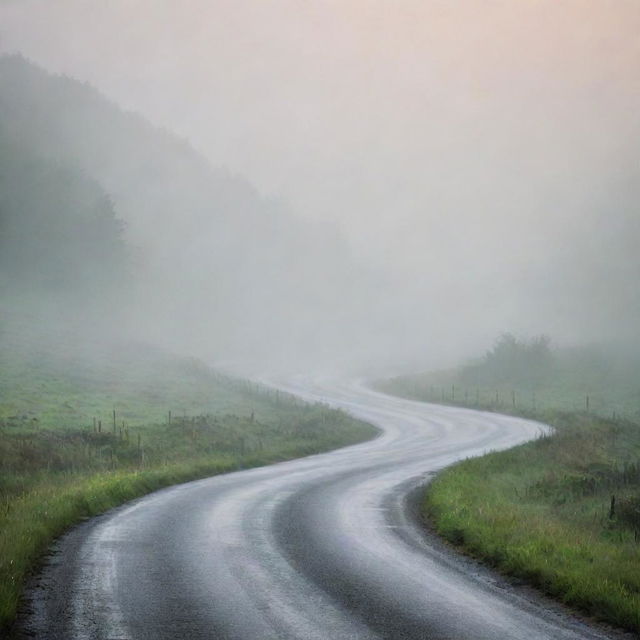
[{"x": 462, "y": 145}]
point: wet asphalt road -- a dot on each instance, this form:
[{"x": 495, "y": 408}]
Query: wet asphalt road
[{"x": 320, "y": 548}]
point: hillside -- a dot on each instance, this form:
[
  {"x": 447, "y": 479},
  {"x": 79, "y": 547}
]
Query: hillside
[{"x": 237, "y": 272}]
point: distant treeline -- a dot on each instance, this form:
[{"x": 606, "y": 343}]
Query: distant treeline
[
  {"x": 59, "y": 229},
  {"x": 512, "y": 360}
]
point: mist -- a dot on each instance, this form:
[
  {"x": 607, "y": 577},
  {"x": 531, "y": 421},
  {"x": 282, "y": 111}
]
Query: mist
[{"x": 355, "y": 185}]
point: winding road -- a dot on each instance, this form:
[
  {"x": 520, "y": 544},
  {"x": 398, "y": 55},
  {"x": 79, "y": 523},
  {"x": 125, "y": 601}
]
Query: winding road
[{"x": 321, "y": 548}]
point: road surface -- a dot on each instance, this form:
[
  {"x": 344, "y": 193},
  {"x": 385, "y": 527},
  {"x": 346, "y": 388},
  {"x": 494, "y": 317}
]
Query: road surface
[{"x": 320, "y": 548}]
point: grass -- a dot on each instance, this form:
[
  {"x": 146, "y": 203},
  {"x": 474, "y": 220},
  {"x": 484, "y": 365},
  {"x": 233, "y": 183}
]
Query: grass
[
  {"x": 58, "y": 466},
  {"x": 542, "y": 511},
  {"x": 41, "y": 388},
  {"x": 611, "y": 384}
]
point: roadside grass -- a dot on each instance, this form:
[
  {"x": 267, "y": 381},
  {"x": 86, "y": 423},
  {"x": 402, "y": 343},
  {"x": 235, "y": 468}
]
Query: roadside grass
[
  {"x": 613, "y": 393},
  {"x": 542, "y": 511},
  {"x": 57, "y": 466}
]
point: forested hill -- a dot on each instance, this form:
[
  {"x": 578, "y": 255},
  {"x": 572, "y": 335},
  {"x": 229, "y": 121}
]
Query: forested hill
[
  {"x": 207, "y": 253},
  {"x": 60, "y": 233}
]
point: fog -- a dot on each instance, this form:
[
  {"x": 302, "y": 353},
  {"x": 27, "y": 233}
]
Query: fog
[{"x": 351, "y": 184}]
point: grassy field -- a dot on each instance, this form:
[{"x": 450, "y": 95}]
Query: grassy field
[
  {"x": 563, "y": 511},
  {"x": 81, "y": 433},
  {"x": 611, "y": 392}
]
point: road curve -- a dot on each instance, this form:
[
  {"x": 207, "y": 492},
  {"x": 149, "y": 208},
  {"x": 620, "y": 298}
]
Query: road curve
[{"x": 318, "y": 548}]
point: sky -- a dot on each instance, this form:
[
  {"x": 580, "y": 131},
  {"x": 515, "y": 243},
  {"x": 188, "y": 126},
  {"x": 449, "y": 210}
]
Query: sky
[{"x": 464, "y": 147}]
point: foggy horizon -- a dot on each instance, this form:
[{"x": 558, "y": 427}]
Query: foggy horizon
[{"x": 442, "y": 174}]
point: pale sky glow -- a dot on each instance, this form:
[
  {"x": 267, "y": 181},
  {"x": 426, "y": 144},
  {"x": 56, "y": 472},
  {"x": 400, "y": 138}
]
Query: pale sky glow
[{"x": 444, "y": 137}]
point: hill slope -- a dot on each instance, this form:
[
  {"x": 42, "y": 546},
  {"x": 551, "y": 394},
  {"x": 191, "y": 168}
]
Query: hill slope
[{"x": 217, "y": 266}]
